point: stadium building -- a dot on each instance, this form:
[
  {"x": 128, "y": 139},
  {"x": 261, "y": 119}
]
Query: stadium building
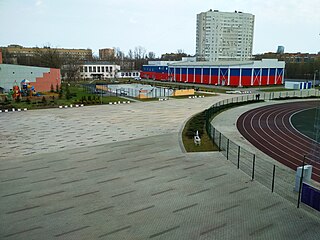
[{"x": 231, "y": 73}]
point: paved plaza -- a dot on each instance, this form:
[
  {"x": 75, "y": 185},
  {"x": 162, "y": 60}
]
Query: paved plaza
[{"x": 119, "y": 172}]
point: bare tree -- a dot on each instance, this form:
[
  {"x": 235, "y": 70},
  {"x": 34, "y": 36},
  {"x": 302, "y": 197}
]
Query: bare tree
[
  {"x": 151, "y": 55},
  {"x": 139, "y": 52},
  {"x": 130, "y": 54},
  {"x": 48, "y": 57},
  {"x": 180, "y": 51},
  {"x": 71, "y": 67}
]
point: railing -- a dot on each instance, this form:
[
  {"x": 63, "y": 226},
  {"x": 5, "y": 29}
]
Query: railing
[{"x": 277, "y": 178}]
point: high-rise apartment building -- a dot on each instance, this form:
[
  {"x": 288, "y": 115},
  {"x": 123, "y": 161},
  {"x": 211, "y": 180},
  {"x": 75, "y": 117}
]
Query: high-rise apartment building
[{"x": 224, "y": 36}]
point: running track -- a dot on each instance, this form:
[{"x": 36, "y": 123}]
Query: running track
[{"x": 269, "y": 129}]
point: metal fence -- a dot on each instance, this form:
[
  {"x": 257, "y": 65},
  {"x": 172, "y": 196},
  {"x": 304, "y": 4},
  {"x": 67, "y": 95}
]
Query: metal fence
[{"x": 277, "y": 178}]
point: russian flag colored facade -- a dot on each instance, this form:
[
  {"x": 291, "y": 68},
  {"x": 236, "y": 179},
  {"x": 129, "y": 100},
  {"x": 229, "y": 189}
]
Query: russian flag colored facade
[{"x": 248, "y": 73}]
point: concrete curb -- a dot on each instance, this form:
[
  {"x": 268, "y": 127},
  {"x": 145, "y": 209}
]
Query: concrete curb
[{"x": 13, "y": 110}]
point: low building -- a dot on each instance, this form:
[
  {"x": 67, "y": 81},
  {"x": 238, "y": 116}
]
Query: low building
[
  {"x": 98, "y": 70},
  {"x": 128, "y": 74},
  {"x": 231, "y": 73},
  {"x": 299, "y": 84},
  {"x": 16, "y": 50},
  {"x": 39, "y": 77}
]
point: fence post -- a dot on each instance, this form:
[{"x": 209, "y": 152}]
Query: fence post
[
  {"x": 238, "y": 164},
  {"x": 253, "y": 165},
  {"x": 301, "y": 182},
  {"x": 219, "y": 142},
  {"x": 213, "y": 135},
  {"x": 273, "y": 176},
  {"x": 228, "y": 149}
]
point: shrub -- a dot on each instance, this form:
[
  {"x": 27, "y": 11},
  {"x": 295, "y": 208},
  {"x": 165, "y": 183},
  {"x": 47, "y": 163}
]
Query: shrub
[
  {"x": 18, "y": 99},
  {"x": 44, "y": 100}
]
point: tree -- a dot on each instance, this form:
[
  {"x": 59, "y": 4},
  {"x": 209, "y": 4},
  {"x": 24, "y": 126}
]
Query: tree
[
  {"x": 71, "y": 67},
  {"x": 51, "y": 88},
  {"x": 49, "y": 57},
  {"x": 60, "y": 92},
  {"x": 130, "y": 54},
  {"x": 68, "y": 94},
  {"x": 151, "y": 55},
  {"x": 44, "y": 100},
  {"x": 139, "y": 52},
  {"x": 57, "y": 88}
]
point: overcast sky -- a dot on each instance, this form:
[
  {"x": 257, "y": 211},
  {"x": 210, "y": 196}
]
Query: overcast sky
[{"x": 158, "y": 25}]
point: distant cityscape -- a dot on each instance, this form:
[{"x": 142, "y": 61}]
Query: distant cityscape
[{"x": 224, "y": 43}]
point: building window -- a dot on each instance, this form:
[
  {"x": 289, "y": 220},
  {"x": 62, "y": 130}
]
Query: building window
[
  {"x": 81, "y": 69},
  {"x": 94, "y": 69},
  {"x": 102, "y": 69},
  {"x": 107, "y": 69},
  {"x": 110, "y": 69},
  {"x": 90, "y": 69},
  {"x": 98, "y": 69},
  {"x": 86, "y": 69}
]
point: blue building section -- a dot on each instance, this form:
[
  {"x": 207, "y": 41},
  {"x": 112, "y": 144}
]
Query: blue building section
[
  {"x": 214, "y": 71},
  {"x": 310, "y": 196},
  {"x": 190, "y": 70},
  {"x": 183, "y": 71},
  {"x": 247, "y": 72},
  {"x": 235, "y": 72},
  {"x": 223, "y": 72},
  {"x": 272, "y": 71},
  {"x": 198, "y": 71},
  {"x": 156, "y": 69},
  {"x": 264, "y": 72},
  {"x": 206, "y": 71}
]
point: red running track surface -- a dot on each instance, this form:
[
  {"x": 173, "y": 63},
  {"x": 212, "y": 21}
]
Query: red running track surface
[{"x": 269, "y": 129}]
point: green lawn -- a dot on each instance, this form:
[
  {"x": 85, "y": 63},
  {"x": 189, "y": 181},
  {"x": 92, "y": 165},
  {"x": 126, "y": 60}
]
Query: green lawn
[
  {"x": 280, "y": 89},
  {"x": 304, "y": 122},
  {"x": 78, "y": 95}
]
